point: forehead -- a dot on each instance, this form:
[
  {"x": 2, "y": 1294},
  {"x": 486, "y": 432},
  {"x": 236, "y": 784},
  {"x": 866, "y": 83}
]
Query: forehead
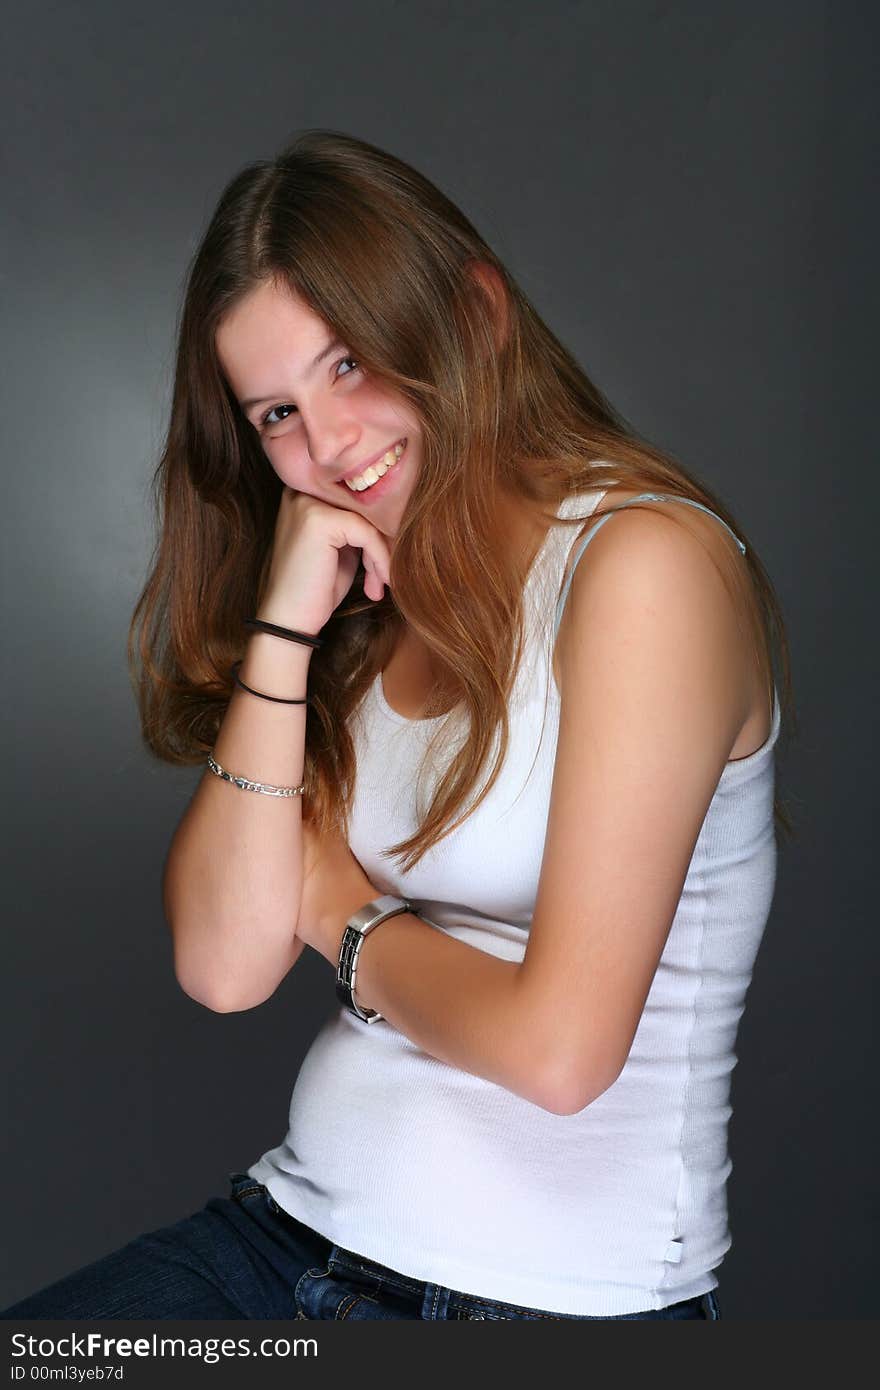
[{"x": 269, "y": 326}]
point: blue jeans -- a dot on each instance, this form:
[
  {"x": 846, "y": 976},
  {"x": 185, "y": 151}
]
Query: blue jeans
[{"x": 243, "y": 1257}]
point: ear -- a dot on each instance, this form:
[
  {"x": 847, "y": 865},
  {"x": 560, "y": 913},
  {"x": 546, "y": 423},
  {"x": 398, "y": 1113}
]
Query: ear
[{"x": 492, "y": 285}]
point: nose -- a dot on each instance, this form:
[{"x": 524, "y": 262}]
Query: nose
[{"x": 328, "y": 437}]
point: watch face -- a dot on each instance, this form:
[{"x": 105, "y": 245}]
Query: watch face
[
  {"x": 376, "y": 912},
  {"x": 371, "y": 915}
]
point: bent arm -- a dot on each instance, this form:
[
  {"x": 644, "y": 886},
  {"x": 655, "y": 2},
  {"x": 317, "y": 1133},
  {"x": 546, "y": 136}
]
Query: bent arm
[{"x": 233, "y": 876}]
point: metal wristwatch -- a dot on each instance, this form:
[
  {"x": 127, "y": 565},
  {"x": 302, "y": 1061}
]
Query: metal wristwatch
[{"x": 356, "y": 928}]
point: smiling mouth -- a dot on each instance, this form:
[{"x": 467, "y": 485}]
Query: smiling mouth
[{"x": 372, "y": 475}]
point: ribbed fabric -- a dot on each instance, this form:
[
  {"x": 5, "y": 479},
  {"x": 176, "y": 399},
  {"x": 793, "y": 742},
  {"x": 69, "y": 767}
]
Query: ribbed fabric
[{"x": 446, "y": 1177}]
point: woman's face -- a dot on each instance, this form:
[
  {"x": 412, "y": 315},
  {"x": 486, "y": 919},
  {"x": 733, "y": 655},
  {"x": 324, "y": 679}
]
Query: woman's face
[{"x": 319, "y": 418}]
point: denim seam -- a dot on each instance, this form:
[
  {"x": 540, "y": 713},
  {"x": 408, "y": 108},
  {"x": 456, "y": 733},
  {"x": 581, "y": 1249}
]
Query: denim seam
[
  {"x": 353, "y": 1300},
  {"x": 467, "y": 1301},
  {"x": 385, "y": 1276},
  {"x": 514, "y": 1308},
  {"x": 307, "y": 1274}
]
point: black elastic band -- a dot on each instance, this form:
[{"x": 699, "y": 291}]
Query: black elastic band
[
  {"x": 288, "y": 632},
  {"x": 276, "y": 699}
]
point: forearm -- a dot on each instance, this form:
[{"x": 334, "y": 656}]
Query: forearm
[
  {"x": 233, "y": 876},
  {"x": 460, "y": 1004}
]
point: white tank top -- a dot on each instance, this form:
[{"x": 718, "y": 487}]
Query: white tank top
[{"x": 454, "y": 1180}]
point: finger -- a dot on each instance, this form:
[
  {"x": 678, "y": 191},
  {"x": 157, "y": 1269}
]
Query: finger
[
  {"x": 377, "y": 571},
  {"x": 382, "y": 564}
]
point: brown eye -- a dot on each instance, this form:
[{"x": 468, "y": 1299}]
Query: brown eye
[{"x": 267, "y": 421}]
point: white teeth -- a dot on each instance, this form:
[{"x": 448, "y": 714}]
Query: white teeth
[{"x": 376, "y": 470}]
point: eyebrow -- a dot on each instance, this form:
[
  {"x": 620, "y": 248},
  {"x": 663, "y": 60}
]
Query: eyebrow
[{"x": 276, "y": 395}]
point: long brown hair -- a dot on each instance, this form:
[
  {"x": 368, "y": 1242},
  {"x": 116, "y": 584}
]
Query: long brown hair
[{"x": 385, "y": 259}]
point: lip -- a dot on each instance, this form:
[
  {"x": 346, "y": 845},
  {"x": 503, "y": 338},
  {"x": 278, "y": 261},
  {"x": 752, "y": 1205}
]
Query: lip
[{"x": 362, "y": 467}]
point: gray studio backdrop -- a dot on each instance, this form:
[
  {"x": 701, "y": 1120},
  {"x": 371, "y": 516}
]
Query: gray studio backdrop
[{"x": 680, "y": 190}]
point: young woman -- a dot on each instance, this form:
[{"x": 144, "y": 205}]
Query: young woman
[{"x": 484, "y": 687}]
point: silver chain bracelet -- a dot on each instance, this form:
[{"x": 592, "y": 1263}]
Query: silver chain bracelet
[{"x": 265, "y": 787}]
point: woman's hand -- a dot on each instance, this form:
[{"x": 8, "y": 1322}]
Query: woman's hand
[
  {"x": 315, "y": 555},
  {"x": 334, "y": 887}
]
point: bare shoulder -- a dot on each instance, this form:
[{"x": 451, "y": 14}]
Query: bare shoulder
[{"x": 642, "y": 537}]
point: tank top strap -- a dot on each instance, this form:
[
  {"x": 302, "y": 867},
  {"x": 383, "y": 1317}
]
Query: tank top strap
[{"x": 584, "y": 541}]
